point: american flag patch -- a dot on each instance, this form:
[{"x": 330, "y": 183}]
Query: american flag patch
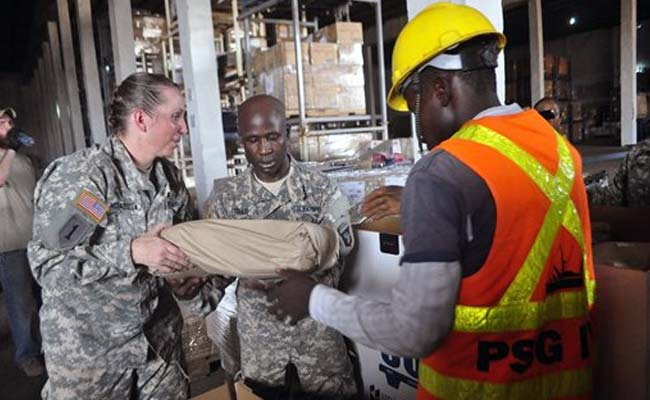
[{"x": 91, "y": 206}]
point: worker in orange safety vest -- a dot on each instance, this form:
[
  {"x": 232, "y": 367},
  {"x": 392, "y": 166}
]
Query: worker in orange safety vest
[{"x": 496, "y": 284}]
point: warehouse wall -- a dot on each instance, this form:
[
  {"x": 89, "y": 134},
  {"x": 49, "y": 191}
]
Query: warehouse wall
[{"x": 595, "y": 55}]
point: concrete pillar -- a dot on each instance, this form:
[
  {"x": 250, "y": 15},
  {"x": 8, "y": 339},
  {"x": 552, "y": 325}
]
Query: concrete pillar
[
  {"x": 628, "y": 72},
  {"x": 63, "y": 110},
  {"x": 70, "y": 73},
  {"x": 493, "y": 10},
  {"x": 536, "y": 50},
  {"x": 121, "y": 21},
  {"x": 94, "y": 105},
  {"x": 202, "y": 94}
]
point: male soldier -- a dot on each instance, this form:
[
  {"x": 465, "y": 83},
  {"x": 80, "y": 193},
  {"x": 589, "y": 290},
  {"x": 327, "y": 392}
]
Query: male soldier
[
  {"x": 17, "y": 182},
  {"x": 278, "y": 187},
  {"x": 496, "y": 282},
  {"x": 631, "y": 185},
  {"x": 111, "y": 328}
]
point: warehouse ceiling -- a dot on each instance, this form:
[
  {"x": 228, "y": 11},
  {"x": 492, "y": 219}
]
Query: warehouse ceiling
[
  {"x": 22, "y": 27},
  {"x": 557, "y": 17}
]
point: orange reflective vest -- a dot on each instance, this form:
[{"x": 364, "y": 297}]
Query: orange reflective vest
[{"x": 521, "y": 328}]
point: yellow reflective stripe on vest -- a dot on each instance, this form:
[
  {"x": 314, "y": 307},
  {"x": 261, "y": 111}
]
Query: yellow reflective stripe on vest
[
  {"x": 557, "y": 188},
  {"x": 515, "y": 303},
  {"x": 574, "y": 227},
  {"x": 522, "y": 316},
  {"x": 572, "y": 383}
]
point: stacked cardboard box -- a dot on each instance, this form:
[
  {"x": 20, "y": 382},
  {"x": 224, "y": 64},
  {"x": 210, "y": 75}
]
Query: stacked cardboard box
[
  {"x": 148, "y": 31},
  {"x": 200, "y": 353},
  {"x": 332, "y": 71}
]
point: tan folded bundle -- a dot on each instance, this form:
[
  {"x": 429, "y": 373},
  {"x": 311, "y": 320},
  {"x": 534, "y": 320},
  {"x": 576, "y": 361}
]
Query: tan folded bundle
[{"x": 253, "y": 248}]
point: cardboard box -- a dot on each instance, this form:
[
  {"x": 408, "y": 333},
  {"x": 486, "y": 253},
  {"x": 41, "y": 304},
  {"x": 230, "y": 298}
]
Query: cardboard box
[
  {"x": 562, "y": 89},
  {"x": 342, "y": 75},
  {"x": 196, "y": 343},
  {"x": 242, "y": 392},
  {"x": 283, "y": 32},
  {"x": 621, "y": 320},
  {"x": 259, "y": 61},
  {"x": 350, "y": 54},
  {"x": 222, "y": 18},
  {"x": 342, "y": 32},
  {"x": 148, "y": 31},
  {"x": 323, "y": 53},
  {"x": 282, "y": 83},
  {"x": 548, "y": 88},
  {"x": 562, "y": 66},
  {"x": 325, "y": 96},
  {"x": 330, "y": 147},
  {"x": 576, "y": 111},
  {"x": 352, "y": 99},
  {"x": 624, "y": 224},
  {"x": 549, "y": 64},
  {"x": 642, "y": 105},
  {"x": 283, "y": 54}
]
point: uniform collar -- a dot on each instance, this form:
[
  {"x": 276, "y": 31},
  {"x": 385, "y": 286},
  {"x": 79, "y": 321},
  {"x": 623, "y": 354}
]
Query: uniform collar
[
  {"x": 293, "y": 187},
  {"x": 132, "y": 175}
]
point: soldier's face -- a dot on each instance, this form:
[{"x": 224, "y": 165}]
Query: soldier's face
[
  {"x": 167, "y": 125},
  {"x": 264, "y": 138}
]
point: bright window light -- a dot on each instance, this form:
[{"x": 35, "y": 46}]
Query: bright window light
[{"x": 572, "y": 21}]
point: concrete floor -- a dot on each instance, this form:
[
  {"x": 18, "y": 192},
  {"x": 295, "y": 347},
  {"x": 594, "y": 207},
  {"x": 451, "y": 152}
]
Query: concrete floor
[{"x": 14, "y": 385}]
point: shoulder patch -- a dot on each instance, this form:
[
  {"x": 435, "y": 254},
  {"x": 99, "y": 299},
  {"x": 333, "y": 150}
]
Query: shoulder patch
[
  {"x": 73, "y": 232},
  {"x": 345, "y": 232},
  {"x": 91, "y": 206}
]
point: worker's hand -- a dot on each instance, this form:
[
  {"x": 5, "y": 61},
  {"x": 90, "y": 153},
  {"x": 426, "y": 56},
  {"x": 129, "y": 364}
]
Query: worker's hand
[
  {"x": 289, "y": 298},
  {"x": 157, "y": 254},
  {"x": 188, "y": 288},
  {"x": 382, "y": 202}
]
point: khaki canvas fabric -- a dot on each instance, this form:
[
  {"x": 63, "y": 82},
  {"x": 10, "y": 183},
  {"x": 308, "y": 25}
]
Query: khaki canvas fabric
[{"x": 253, "y": 248}]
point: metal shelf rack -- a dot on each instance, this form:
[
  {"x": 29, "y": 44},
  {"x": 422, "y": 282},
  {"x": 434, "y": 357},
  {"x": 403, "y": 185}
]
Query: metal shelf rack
[{"x": 321, "y": 126}]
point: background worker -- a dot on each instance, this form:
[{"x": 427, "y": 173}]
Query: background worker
[
  {"x": 112, "y": 328},
  {"x": 496, "y": 283},
  {"x": 17, "y": 182},
  {"x": 548, "y": 108},
  {"x": 631, "y": 184},
  {"x": 280, "y": 361}
]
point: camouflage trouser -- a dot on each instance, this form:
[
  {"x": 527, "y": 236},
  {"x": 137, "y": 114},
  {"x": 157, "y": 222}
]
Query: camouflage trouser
[
  {"x": 325, "y": 370},
  {"x": 156, "y": 380}
]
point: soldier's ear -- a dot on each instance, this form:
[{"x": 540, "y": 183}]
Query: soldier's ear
[{"x": 140, "y": 119}]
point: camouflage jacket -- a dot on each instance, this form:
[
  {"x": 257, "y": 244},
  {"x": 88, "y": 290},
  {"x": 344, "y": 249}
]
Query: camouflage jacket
[
  {"x": 99, "y": 309},
  {"x": 268, "y": 345},
  {"x": 631, "y": 184}
]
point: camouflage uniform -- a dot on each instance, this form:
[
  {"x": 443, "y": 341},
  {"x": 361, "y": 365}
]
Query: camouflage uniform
[
  {"x": 631, "y": 186},
  {"x": 107, "y": 324},
  {"x": 268, "y": 345}
]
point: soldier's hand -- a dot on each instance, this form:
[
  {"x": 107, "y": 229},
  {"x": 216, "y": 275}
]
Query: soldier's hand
[
  {"x": 290, "y": 298},
  {"x": 186, "y": 289},
  {"x": 382, "y": 202},
  {"x": 157, "y": 254}
]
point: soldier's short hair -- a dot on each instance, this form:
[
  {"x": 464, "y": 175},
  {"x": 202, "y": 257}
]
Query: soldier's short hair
[{"x": 139, "y": 90}]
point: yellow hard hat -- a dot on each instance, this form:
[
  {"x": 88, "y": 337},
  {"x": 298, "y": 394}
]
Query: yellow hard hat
[{"x": 435, "y": 29}]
